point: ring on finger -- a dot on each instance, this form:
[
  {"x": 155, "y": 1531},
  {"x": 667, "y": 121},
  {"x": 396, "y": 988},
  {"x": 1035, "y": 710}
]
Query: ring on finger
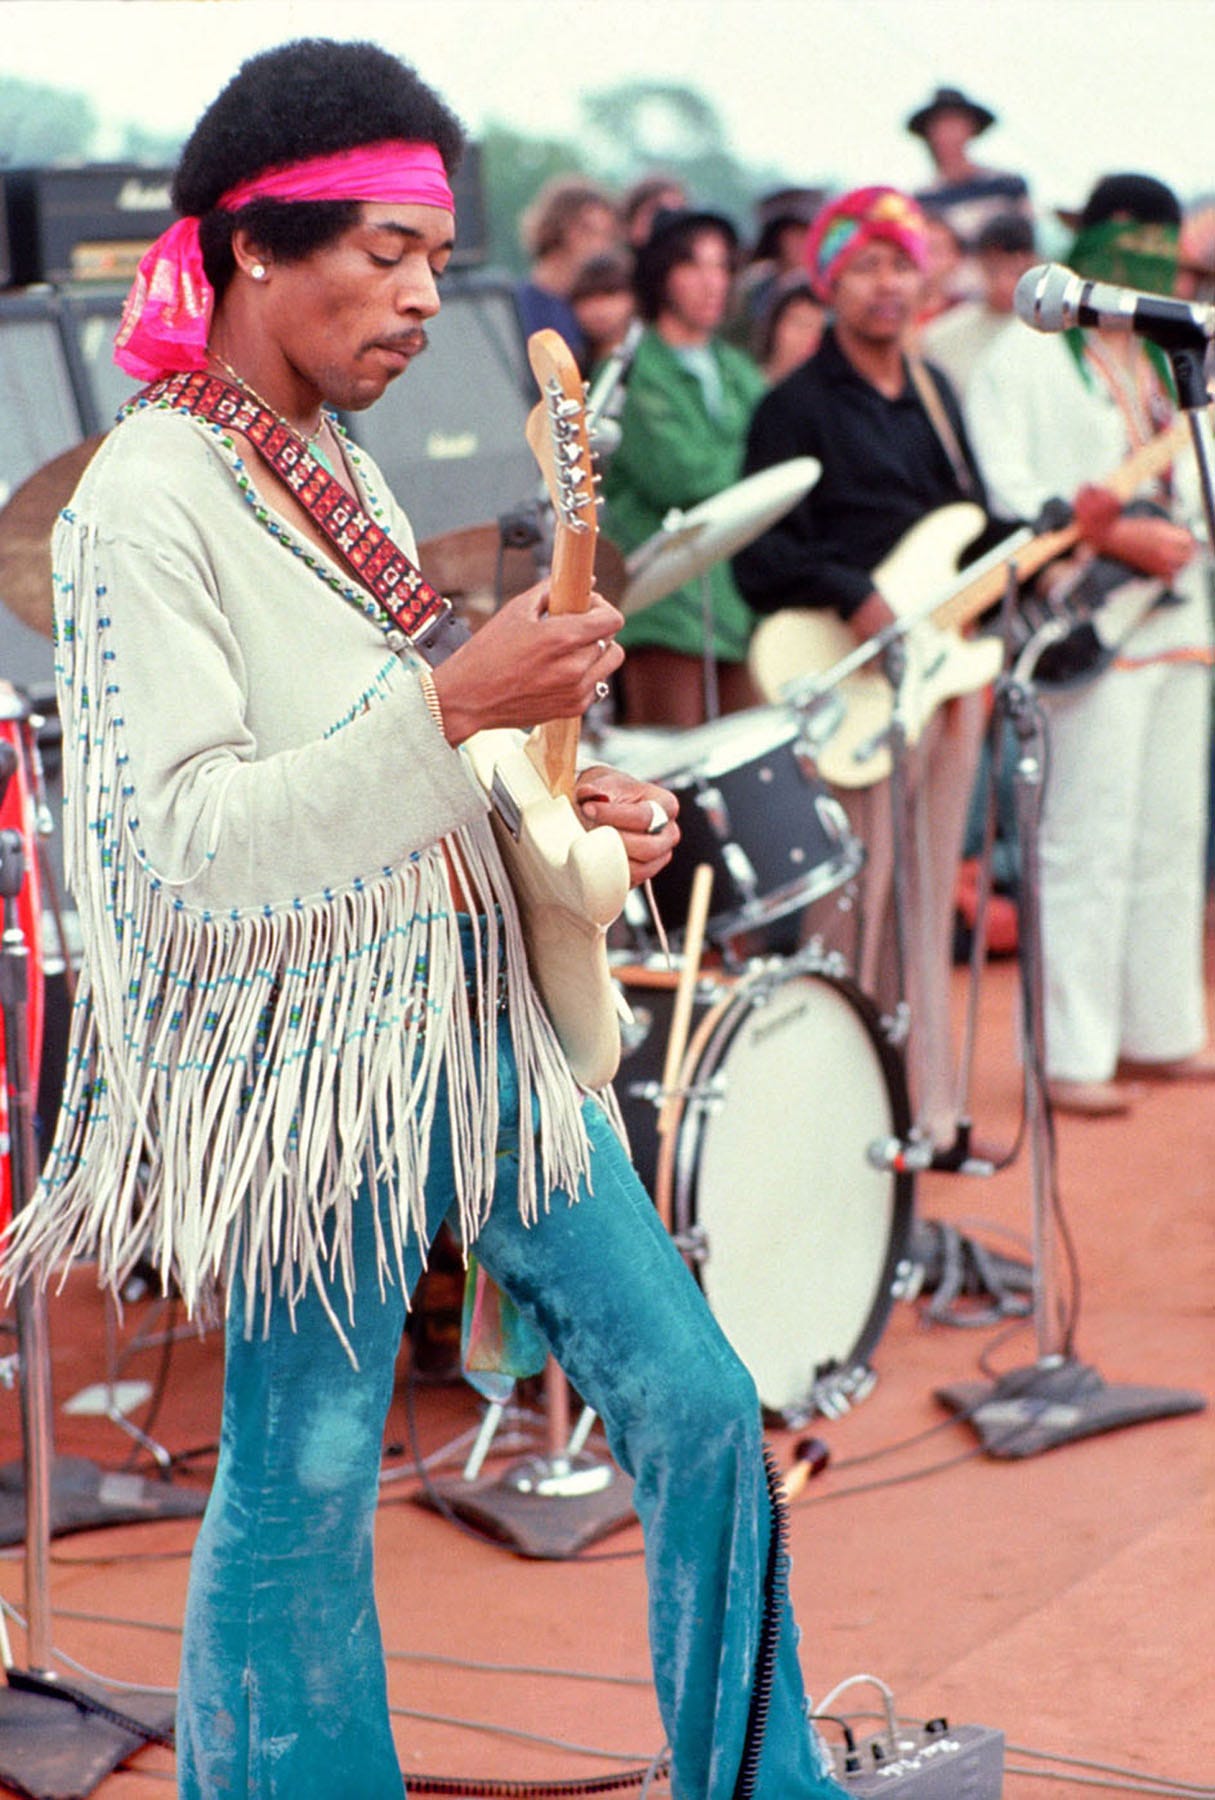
[
  {"x": 602, "y": 690},
  {"x": 659, "y": 820},
  {"x": 603, "y": 646}
]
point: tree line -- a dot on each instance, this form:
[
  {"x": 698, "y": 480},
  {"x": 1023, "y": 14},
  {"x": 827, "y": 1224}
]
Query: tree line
[{"x": 625, "y": 131}]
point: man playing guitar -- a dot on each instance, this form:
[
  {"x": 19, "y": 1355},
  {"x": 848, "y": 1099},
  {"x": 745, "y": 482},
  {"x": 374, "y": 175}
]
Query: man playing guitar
[
  {"x": 893, "y": 450},
  {"x": 1125, "y": 804},
  {"x": 309, "y": 1032}
]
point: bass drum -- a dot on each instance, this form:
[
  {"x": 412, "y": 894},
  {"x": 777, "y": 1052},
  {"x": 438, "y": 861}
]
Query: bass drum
[{"x": 773, "y": 1172}]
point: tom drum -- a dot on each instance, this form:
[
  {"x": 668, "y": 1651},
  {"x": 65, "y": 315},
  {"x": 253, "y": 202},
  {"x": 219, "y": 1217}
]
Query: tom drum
[{"x": 754, "y": 809}]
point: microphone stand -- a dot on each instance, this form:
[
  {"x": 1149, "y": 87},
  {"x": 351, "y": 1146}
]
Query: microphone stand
[
  {"x": 1056, "y": 1399},
  {"x": 1188, "y": 364},
  {"x": 57, "y": 1737},
  {"x": 808, "y": 691}
]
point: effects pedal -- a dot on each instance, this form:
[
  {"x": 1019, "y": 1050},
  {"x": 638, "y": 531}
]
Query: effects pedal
[{"x": 935, "y": 1761}]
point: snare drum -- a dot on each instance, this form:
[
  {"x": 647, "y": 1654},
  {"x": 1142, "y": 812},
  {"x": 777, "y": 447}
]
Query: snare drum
[
  {"x": 753, "y": 808},
  {"x": 775, "y": 1173}
]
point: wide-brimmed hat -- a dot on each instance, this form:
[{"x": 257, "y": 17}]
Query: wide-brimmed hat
[{"x": 950, "y": 99}]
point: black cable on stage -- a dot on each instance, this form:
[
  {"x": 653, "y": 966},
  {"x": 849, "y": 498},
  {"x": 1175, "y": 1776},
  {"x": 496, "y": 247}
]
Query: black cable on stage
[
  {"x": 113, "y": 1562},
  {"x": 526, "y": 1790},
  {"x": 90, "y": 1704}
]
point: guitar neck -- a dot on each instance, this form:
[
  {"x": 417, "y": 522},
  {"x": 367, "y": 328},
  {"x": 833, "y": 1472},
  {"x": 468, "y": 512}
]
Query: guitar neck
[
  {"x": 557, "y": 435},
  {"x": 554, "y": 745},
  {"x": 1141, "y": 465}
]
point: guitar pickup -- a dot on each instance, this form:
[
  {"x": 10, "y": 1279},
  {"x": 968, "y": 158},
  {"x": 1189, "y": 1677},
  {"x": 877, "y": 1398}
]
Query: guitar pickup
[{"x": 505, "y": 805}]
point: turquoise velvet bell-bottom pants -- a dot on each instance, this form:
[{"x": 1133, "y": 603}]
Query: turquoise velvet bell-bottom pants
[{"x": 283, "y": 1690}]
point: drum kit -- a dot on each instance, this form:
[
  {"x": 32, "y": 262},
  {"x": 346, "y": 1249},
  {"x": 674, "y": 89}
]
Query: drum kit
[{"x": 765, "y": 1144}]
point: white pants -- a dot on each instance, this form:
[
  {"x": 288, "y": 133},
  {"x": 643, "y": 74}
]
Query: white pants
[{"x": 1122, "y": 849}]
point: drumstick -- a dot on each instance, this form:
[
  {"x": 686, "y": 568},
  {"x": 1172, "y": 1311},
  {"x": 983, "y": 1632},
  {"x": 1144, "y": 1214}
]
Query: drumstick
[{"x": 681, "y": 1016}]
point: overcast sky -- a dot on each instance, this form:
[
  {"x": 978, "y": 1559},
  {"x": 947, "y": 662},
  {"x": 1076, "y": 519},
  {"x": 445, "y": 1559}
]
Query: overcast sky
[{"x": 820, "y": 87}]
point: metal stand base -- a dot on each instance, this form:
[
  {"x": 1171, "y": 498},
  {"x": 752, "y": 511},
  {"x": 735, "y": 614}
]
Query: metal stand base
[
  {"x": 84, "y": 1497},
  {"x": 543, "y": 1507},
  {"x": 1057, "y": 1401},
  {"x": 54, "y": 1748}
]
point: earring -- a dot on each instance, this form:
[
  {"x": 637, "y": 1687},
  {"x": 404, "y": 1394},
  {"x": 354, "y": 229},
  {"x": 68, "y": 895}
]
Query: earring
[{"x": 258, "y": 271}]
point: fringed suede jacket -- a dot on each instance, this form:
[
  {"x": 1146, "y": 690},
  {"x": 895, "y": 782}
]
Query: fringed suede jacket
[{"x": 260, "y": 814}]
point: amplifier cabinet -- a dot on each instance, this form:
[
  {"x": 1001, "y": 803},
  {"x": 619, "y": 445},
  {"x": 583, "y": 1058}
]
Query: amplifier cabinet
[{"x": 84, "y": 222}]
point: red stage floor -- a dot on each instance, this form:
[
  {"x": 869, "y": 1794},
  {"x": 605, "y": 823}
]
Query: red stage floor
[{"x": 1065, "y": 1599}]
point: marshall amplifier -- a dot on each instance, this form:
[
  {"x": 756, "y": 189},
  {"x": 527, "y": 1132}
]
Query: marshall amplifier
[{"x": 89, "y": 222}]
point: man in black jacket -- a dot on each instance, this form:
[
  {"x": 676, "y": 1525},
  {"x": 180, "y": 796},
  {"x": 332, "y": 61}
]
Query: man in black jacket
[{"x": 892, "y": 444}]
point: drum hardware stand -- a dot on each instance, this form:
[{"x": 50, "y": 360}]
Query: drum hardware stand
[
  {"x": 914, "y": 1154},
  {"x": 708, "y": 658},
  {"x": 57, "y": 1740},
  {"x": 834, "y": 1392},
  {"x": 548, "y": 1505},
  {"x": 1056, "y": 1399}
]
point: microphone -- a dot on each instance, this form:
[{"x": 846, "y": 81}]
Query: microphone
[
  {"x": 1053, "y": 298},
  {"x": 605, "y": 396}
]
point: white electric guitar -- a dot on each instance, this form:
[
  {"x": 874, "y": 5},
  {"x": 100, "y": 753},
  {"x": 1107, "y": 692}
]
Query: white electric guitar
[
  {"x": 920, "y": 580},
  {"x": 570, "y": 882}
]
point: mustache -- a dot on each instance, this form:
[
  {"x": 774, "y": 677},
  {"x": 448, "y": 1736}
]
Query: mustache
[{"x": 412, "y": 342}]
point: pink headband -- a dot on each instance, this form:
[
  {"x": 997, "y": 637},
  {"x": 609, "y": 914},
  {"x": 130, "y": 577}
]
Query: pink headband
[{"x": 167, "y": 314}]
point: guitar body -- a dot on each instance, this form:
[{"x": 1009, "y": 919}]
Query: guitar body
[
  {"x": 570, "y": 885},
  {"x": 801, "y": 642}
]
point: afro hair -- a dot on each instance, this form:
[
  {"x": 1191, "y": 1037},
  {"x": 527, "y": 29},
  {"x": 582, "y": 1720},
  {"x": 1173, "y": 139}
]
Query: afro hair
[{"x": 312, "y": 97}]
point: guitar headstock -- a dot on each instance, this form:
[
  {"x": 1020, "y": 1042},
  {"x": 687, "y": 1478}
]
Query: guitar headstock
[{"x": 557, "y": 432}]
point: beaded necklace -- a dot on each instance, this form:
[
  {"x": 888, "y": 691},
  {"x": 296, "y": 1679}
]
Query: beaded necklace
[{"x": 311, "y": 439}]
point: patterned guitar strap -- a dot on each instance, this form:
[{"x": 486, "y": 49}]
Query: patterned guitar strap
[{"x": 380, "y": 565}]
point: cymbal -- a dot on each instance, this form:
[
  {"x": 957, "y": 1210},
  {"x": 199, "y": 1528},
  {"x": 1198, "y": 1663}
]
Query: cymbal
[
  {"x": 691, "y": 542},
  {"x": 464, "y": 566},
  {"x": 26, "y": 522}
]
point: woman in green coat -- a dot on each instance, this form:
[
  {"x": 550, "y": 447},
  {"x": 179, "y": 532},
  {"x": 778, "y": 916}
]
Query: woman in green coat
[{"x": 683, "y": 429}]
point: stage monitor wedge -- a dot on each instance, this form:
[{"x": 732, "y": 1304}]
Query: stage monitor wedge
[{"x": 448, "y": 433}]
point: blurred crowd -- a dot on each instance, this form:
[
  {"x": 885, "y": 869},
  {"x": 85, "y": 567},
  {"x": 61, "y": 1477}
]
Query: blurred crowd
[
  {"x": 581, "y": 240},
  {"x": 870, "y": 331}
]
